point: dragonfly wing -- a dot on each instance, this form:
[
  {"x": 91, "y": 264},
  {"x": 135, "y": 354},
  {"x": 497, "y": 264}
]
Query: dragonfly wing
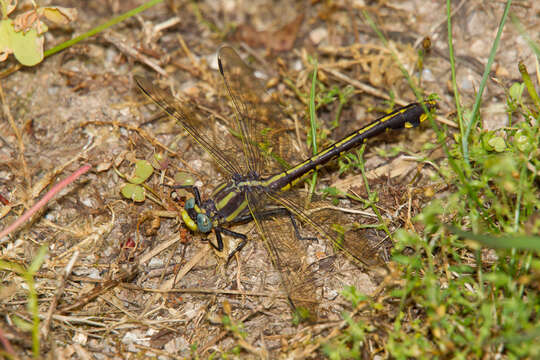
[
  {"x": 259, "y": 118},
  {"x": 288, "y": 256},
  {"x": 330, "y": 226},
  {"x": 189, "y": 120}
]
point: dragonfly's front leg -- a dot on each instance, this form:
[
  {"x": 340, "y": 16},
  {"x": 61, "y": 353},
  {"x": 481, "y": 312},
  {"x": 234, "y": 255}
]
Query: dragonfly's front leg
[
  {"x": 191, "y": 188},
  {"x": 234, "y": 234}
]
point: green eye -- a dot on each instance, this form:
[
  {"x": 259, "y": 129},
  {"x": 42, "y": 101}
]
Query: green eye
[
  {"x": 203, "y": 223},
  {"x": 190, "y": 203}
]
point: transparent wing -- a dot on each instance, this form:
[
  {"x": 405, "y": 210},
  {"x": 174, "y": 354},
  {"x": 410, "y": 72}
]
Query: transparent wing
[
  {"x": 259, "y": 119},
  {"x": 332, "y": 227},
  {"x": 199, "y": 129},
  {"x": 303, "y": 279},
  {"x": 288, "y": 256}
]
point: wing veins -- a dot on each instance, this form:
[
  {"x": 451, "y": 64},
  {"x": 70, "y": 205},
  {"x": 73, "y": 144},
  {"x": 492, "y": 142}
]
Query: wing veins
[{"x": 173, "y": 108}]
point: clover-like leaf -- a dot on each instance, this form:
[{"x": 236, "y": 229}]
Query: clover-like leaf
[
  {"x": 5, "y": 39},
  {"x": 497, "y": 143},
  {"x": 133, "y": 192},
  {"x": 27, "y": 47},
  {"x": 522, "y": 141},
  {"x": 143, "y": 170}
]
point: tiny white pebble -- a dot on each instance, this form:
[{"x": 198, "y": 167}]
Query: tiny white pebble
[{"x": 318, "y": 35}]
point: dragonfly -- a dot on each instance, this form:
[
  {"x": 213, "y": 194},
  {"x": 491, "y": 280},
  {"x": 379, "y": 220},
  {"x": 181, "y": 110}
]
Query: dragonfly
[{"x": 258, "y": 182}]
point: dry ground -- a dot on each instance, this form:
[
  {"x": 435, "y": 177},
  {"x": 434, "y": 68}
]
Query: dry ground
[{"x": 81, "y": 106}]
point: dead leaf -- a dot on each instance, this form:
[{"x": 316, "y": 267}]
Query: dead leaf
[
  {"x": 28, "y": 20},
  {"x": 32, "y": 19},
  {"x": 58, "y": 14},
  {"x": 10, "y": 6}
]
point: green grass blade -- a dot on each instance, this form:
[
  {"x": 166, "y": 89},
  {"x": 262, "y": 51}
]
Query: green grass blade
[
  {"x": 452, "y": 57},
  {"x": 476, "y": 107},
  {"x": 533, "y": 45},
  {"x": 313, "y": 125},
  {"x": 102, "y": 27},
  {"x": 522, "y": 242}
]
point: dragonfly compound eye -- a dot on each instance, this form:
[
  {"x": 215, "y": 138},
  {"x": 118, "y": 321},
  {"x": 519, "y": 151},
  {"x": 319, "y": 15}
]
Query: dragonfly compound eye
[
  {"x": 203, "y": 223},
  {"x": 190, "y": 203}
]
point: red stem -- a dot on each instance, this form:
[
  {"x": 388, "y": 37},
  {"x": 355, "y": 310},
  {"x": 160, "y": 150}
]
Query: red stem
[{"x": 48, "y": 196}]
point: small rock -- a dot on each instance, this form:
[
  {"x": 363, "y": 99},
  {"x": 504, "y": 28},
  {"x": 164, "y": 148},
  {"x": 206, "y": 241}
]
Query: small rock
[{"x": 318, "y": 35}]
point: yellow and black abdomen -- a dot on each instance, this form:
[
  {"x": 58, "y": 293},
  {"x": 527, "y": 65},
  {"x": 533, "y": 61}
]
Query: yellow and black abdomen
[{"x": 405, "y": 117}]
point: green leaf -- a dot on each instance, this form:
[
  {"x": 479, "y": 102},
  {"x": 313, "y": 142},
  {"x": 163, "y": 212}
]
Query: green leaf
[
  {"x": 27, "y": 47},
  {"x": 522, "y": 141},
  {"x": 22, "y": 324},
  {"x": 515, "y": 91},
  {"x": 39, "y": 258},
  {"x": 183, "y": 178},
  {"x": 10, "y": 266},
  {"x": 133, "y": 192},
  {"x": 498, "y": 143},
  {"x": 6, "y": 30},
  {"x": 143, "y": 170}
]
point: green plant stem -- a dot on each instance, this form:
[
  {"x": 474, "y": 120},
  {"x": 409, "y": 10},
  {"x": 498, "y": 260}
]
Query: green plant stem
[
  {"x": 452, "y": 57},
  {"x": 313, "y": 125},
  {"x": 533, "y": 45},
  {"x": 529, "y": 84},
  {"x": 522, "y": 176},
  {"x": 368, "y": 191},
  {"x": 101, "y": 27},
  {"x": 476, "y": 107},
  {"x": 33, "y": 308}
]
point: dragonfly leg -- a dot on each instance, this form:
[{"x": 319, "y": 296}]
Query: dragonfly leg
[
  {"x": 234, "y": 234},
  {"x": 296, "y": 231},
  {"x": 219, "y": 240},
  {"x": 192, "y": 188}
]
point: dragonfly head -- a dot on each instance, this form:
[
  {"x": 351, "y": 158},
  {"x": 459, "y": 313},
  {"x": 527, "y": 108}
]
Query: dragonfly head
[{"x": 194, "y": 218}]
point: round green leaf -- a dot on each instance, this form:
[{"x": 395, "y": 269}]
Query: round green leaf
[
  {"x": 516, "y": 90},
  {"x": 133, "y": 192},
  {"x": 27, "y": 47},
  {"x": 143, "y": 170},
  {"x": 497, "y": 143},
  {"x": 183, "y": 178},
  {"x": 5, "y": 37},
  {"x": 523, "y": 143}
]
